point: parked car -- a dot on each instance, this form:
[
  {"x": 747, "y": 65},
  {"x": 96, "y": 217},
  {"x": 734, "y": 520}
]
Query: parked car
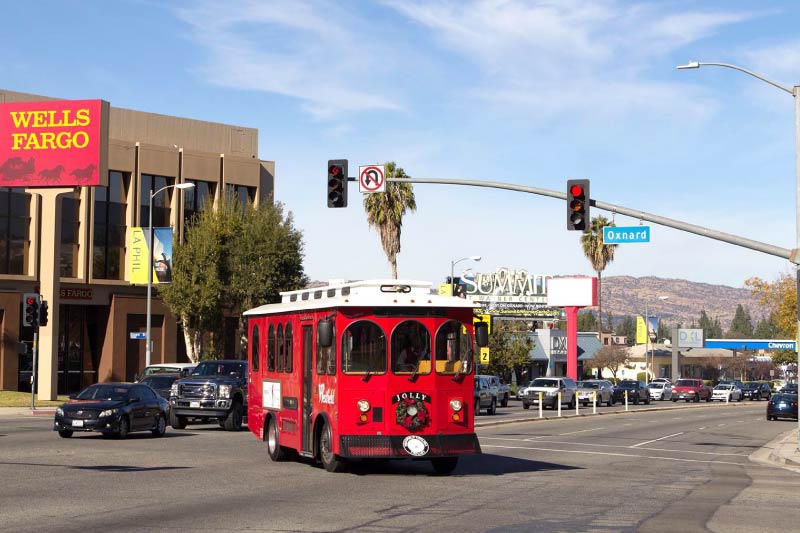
[
  {"x": 691, "y": 390},
  {"x": 791, "y": 388},
  {"x": 756, "y": 390},
  {"x": 736, "y": 382},
  {"x": 660, "y": 390},
  {"x": 484, "y": 396},
  {"x": 727, "y": 392},
  {"x": 214, "y": 390},
  {"x": 113, "y": 409},
  {"x": 550, "y": 388},
  {"x": 637, "y": 391},
  {"x": 500, "y": 390},
  {"x": 161, "y": 383},
  {"x": 782, "y": 405},
  {"x": 184, "y": 369},
  {"x": 661, "y": 380},
  {"x": 589, "y": 388}
]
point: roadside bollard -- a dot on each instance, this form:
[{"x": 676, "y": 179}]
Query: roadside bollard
[
  {"x": 728, "y": 397},
  {"x": 626, "y": 400},
  {"x": 594, "y": 402},
  {"x": 577, "y": 405},
  {"x": 540, "y": 405},
  {"x": 558, "y": 401}
]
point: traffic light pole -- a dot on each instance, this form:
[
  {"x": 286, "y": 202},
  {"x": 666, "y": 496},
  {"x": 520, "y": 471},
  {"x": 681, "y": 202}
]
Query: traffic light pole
[{"x": 35, "y": 362}]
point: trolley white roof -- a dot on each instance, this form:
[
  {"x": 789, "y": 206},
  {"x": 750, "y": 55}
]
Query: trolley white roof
[{"x": 366, "y": 293}]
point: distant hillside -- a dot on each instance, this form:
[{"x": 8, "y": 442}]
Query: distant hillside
[{"x": 626, "y": 295}]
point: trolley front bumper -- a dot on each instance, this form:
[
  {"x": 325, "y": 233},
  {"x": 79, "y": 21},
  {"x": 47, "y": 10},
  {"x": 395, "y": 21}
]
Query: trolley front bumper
[{"x": 408, "y": 447}]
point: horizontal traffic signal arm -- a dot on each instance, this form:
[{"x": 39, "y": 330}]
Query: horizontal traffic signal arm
[{"x": 785, "y": 253}]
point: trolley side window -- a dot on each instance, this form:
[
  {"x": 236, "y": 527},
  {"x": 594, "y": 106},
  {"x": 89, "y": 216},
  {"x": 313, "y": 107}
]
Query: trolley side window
[
  {"x": 453, "y": 348},
  {"x": 255, "y": 349},
  {"x": 289, "y": 352},
  {"x": 281, "y": 349},
  {"x": 363, "y": 349},
  {"x": 326, "y": 358},
  {"x": 411, "y": 348},
  {"x": 271, "y": 348}
]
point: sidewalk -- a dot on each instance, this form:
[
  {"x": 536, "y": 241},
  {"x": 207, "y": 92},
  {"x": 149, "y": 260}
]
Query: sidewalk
[
  {"x": 27, "y": 411},
  {"x": 782, "y": 451}
]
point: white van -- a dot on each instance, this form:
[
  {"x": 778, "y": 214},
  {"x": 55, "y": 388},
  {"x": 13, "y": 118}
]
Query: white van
[{"x": 182, "y": 369}]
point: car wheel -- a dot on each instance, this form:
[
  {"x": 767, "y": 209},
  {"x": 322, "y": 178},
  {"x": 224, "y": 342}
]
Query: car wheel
[
  {"x": 612, "y": 401},
  {"x": 708, "y": 400},
  {"x": 177, "y": 422},
  {"x": 65, "y": 433},
  {"x": 493, "y": 407},
  {"x": 647, "y": 401},
  {"x": 571, "y": 404},
  {"x": 526, "y": 405},
  {"x": 444, "y": 465},
  {"x": 274, "y": 448},
  {"x": 330, "y": 461},
  {"x": 124, "y": 428},
  {"x": 696, "y": 399},
  {"x": 477, "y": 407},
  {"x": 636, "y": 400},
  {"x": 504, "y": 403},
  {"x": 233, "y": 422},
  {"x": 769, "y": 417},
  {"x": 161, "y": 426}
]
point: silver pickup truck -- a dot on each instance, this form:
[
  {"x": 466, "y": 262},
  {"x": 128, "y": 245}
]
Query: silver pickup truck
[{"x": 500, "y": 389}]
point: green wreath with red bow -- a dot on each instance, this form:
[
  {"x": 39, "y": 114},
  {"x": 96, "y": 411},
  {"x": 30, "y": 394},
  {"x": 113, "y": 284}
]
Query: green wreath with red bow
[{"x": 412, "y": 414}]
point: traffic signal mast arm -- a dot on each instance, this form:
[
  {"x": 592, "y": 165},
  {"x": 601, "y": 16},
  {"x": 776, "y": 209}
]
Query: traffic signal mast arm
[{"x": 785, "y": 253}]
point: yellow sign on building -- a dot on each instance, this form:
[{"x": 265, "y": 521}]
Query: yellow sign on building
[{"x": 484, "y": 352}]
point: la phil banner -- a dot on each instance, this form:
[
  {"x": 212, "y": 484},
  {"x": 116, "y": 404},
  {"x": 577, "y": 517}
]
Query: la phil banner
[{"x": 56, "y": 143}]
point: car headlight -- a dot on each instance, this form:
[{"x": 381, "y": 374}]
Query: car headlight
[
  {"x": 108, "y": 412},
  {"x": 224, "y": 391},
  {"x": 173, "y": 390},
  {"x": 363, "y": 406},
  {"x": 455, "y": 405},
  {"x": 59, "y": 412}
]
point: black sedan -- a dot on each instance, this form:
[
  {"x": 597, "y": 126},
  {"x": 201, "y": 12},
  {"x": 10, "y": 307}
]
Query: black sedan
[
  {"x": 161, "y": 383},
  {"x": 756, "y": 390},
  {"x": 637, "y": 391},
  {"x": 113, "y": 409},
  {"x": 782, "y": 405},
  {"x": 791, "y": 388}
]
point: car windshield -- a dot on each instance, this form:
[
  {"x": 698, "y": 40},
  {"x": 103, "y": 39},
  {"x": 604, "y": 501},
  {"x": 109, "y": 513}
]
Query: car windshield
[
  {"x": 159, "y": 382},
  {"x": 628, "y": 384},
  {"x": 657, "y": 385},
  {"x": 723, "y": 387},
  {"x": 686, "y": 383},
  {"x": 544, "y": 383},
  {"x": 216, "y": 368},
  {"x": 784, "y": 398},
  {"x": 752, "y": 385},
  {"x": 588, "y": 385},
  {"x": 103, "y": 392}
]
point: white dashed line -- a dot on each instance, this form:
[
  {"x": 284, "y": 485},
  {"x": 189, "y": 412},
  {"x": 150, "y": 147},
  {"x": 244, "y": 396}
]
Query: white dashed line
[
  {"x": 655, "y": 440},
  {"x": 581, "y": 431},
  {"x": 612, "y": 454}
]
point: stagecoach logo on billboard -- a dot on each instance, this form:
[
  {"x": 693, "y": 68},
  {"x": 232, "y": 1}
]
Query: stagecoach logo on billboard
[
  {"x": 512, "y": 293},
  {"x": 56, "y": 143}
]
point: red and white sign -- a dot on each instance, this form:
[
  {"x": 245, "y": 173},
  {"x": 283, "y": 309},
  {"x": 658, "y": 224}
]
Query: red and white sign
[
  {"x": 371, "y": 178},
  {"x": 55, "y": 143}
]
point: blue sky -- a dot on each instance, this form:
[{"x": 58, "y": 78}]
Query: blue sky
[{"x": 523, "y": 92}]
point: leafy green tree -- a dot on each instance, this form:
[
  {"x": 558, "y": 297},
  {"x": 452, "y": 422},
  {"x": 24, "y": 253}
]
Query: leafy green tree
[
  {"x": 385, "y": 211},
  {"x": 741, "y": 325},
  {"x": 587, "y": 321},
  {"x": 598, "y": 254},
  {"x": 711, "y": 328},
  {"x": 627, "y": 328},
  {"x": 231, "y": 259},
  {"x": 766, "y": 328},
  {"x": 784, "y": 357},
  {"x": 509, "y": 348}
]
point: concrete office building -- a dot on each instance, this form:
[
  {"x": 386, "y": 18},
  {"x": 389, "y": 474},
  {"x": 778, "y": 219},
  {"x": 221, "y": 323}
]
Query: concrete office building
[{"x": 70, "y": 244}]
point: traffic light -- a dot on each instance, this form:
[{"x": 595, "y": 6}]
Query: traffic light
[
  {"x": 337, "y": 183},
  {"x": 43, "y": 313},
  {"x": 577, "y": 204},
  {"x": 30, "y": 314}
]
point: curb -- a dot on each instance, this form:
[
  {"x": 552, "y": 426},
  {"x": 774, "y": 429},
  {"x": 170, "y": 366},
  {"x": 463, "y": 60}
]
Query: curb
[{"x": 770, "y": 454}]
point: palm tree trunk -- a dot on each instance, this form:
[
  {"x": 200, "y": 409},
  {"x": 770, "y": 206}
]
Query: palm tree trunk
[{"x": 394, "y": 269}]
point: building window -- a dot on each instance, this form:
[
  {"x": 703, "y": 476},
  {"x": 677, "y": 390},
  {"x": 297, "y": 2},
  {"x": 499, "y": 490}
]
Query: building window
[
  {"x": 197, "y": 199},
  {"x": 161, "y": 202},
  {"x": 15, "y": 222},
  {"x": 110, "y": 207},
  {"x": 70, "y": 232},
  {"x": 242, "y": 193}
]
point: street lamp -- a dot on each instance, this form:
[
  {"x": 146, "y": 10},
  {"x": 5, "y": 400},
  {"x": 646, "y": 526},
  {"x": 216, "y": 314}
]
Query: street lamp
[
  {"x": 647, "y": 345},
  {"x": 795, "y": 92},
  {"x": 452, "y": 269},
  {"x": 149, "y": 348}
]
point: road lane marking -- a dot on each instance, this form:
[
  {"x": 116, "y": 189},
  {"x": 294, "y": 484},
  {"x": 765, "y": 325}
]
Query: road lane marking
[
  {"x": 581, "y": 431},
  {"x": 617, "y": 446},
  {"x": 699, "y": 429},
  {"x": 655, "y": 440},
  {"x": 613, "y": 454}
]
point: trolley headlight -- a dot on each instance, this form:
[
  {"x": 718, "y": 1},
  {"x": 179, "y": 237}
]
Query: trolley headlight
[
  {"x": 456, "y": 405},
  {"x": 224, "y": 391},
  {"x": 363, "y": 406}
]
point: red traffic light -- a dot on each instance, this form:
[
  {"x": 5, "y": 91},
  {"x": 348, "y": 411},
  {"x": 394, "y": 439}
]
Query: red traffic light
[
  {"x": 576, "y": 191},
  {"x": 335, "y": 170},
  {"x": 30, "y": 300}
]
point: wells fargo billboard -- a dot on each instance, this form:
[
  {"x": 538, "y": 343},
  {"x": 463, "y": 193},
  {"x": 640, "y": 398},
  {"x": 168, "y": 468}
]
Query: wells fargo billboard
[{"x": 55, "y": 143}]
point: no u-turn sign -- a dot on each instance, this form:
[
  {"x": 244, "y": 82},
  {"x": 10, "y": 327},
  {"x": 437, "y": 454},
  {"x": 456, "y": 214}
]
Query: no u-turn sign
[{"x": 371, "y": 178}]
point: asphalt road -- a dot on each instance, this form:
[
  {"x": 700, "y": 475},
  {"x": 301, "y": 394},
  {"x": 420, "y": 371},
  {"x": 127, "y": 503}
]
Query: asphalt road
[{"x": 676, "y": 470}]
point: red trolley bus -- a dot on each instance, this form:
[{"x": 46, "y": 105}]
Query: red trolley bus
[{"x": 368, "y": 369}]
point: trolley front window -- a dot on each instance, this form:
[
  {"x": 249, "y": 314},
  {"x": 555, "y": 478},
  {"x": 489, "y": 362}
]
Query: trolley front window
[
  {"x": 453, "y": 348},
  {"x": 363, "y": 349},
  {"x": 411, "y": 348}
]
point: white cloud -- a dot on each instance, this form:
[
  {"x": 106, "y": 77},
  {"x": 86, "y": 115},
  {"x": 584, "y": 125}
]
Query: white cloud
[{"x": 780, "y": 60}]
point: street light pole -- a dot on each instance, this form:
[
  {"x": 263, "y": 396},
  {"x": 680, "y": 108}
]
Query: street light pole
[
  {"x": 452, "y": 270},
  {"x": 795, "y": 92},
  {"x": 150, "y": 249}
]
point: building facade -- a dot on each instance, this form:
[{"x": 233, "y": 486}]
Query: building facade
[{"x": 71, "y": 245}]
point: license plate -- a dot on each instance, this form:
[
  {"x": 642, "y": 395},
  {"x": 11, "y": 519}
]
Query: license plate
[
  {"x": 194, "y": 404},
  {"x": 783, "y": 405},
  {"x": 77, "y": 423}
]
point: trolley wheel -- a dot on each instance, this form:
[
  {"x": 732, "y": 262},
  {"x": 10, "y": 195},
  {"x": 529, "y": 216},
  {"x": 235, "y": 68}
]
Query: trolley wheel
[
  {"x": 444, "y": 465},
  {"x": 274, "y": 448},
  {"x": 330, "y": 461}
]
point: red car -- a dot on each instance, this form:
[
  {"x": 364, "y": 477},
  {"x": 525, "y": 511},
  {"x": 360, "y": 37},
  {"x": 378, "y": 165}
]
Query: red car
[{"x": 691, "y": 390}]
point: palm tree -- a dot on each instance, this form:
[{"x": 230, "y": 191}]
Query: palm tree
[
  {"x": 385, "y": 212},
  {"x": 599, "y": 255}
]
